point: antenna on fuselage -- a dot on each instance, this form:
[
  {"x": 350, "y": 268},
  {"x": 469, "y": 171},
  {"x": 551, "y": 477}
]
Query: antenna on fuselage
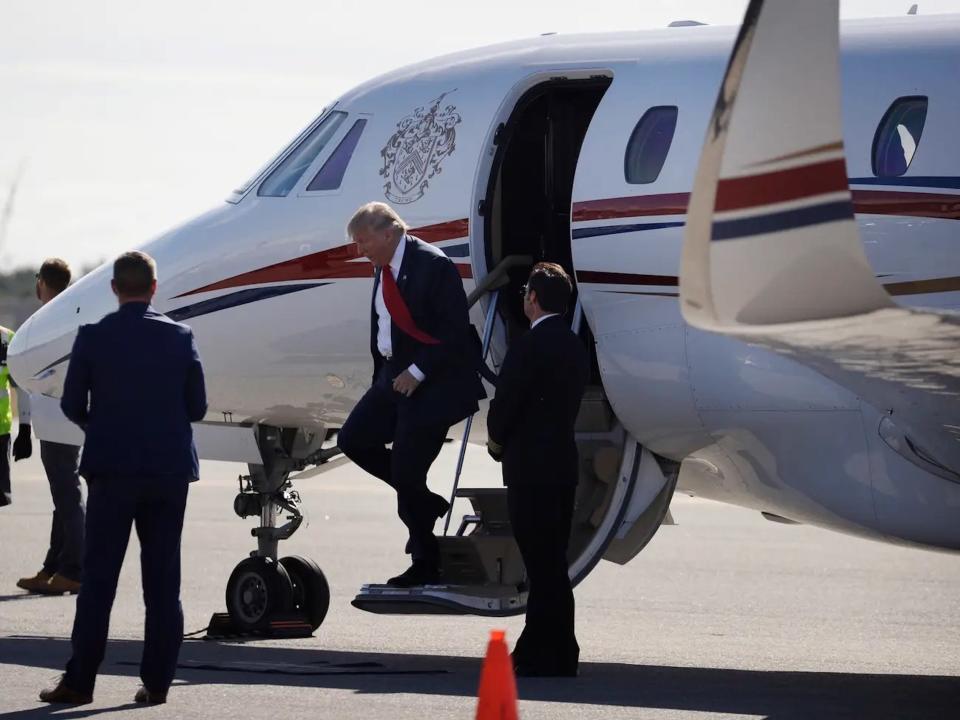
[
  {"x": 686, "y": 23},
  {"x": 913, "y": 9}
]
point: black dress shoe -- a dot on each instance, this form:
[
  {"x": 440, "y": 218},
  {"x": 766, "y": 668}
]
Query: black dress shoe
[
  {"x": 420, "y": 573},
  {"x": 60, "y": 693},
  {"x": 144, "y": 695}
]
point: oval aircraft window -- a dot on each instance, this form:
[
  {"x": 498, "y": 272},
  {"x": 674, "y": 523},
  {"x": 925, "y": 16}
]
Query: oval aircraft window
[
  {"x": 285, "y": 176},
  {"x": 898, "y": 136},
  {"x": 649, "y": 145}
]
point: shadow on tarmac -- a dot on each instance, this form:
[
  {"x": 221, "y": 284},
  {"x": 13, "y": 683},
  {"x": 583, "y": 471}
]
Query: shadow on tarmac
[
  {"x": 66, "y": 712},
  {"x": 777, "y": 695},
  {"x": 24, "y": 596}
]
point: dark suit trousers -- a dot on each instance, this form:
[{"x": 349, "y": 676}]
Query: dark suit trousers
[
  {"x": 65, "y": 555},
  {"x": 541, "y": 516},
  {"x": 155, "y": 506},
  {"x": 381, "y": 417},
  {"x": 6, "y": 491}
]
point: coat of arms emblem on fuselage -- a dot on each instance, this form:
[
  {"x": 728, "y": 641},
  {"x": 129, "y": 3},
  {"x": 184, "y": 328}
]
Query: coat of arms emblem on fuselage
[{"x": 413, "y": 154}]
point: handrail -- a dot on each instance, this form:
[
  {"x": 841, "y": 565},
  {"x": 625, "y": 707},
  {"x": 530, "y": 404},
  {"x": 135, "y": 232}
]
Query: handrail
[
  {"x": 492, "y": 284},
  {"x": 485, "y": 348},
  {"x": 497, "y": 278}
]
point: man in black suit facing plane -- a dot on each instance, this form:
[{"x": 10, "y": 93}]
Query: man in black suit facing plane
[
  {"x": 531, "y": 431},
  {"x": 424, "y": 375}
]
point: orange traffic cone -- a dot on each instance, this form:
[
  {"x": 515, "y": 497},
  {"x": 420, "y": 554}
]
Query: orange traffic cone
[{"x": 497, "y": 698}]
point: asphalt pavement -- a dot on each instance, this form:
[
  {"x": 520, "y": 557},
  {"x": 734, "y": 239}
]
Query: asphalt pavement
[{"x": 725, "y": 615}]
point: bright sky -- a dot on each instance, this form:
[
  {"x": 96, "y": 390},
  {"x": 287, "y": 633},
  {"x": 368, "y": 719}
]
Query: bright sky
[{"x": 122, "y": 118}]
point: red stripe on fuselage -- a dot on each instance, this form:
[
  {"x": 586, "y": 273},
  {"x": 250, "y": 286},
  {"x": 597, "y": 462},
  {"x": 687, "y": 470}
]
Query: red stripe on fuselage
[
  {"x": 636, "y": 206},
  {"x": 875, "y": 202},
  {"x": 781, "y": 185},
  {"x": 335, "y": 263},
  {"x": 910, "y": 204}
]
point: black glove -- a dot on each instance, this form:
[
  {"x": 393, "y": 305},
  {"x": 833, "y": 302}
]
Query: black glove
[
  {"x": 23, "y": 445},
  {"x": 494, "y": 450}
]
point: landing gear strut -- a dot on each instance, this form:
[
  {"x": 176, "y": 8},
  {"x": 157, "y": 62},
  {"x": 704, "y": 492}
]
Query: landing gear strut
[{"x": 265, "y": 595}]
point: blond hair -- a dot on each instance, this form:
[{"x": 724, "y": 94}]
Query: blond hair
[{"x": 375, "y": 216}]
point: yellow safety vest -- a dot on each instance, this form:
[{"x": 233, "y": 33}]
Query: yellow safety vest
[{"x": 6, "y": 414}]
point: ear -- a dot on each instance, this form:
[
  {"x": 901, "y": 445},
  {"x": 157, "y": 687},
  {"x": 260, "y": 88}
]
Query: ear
[{"x": 113, "y": 286}]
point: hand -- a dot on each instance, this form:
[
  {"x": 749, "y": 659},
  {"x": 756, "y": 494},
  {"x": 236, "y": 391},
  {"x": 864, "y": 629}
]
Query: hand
[
  {"x": 494, "y": 450},
  {"x": 23, "y": 445},
  {"x": 405, "y": 383}
]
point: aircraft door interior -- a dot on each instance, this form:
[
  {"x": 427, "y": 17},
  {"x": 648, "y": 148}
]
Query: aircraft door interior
[{"x": 527, "y": 211}]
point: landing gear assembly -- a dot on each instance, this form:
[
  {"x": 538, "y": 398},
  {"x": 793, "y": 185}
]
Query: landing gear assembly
[{"x": 267, "y": 595}]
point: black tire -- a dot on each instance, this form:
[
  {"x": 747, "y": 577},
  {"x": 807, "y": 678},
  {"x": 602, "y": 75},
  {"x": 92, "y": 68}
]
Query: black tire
[
  {"x": 311, "y": 592},
  {"x": 258, "y": 589}
]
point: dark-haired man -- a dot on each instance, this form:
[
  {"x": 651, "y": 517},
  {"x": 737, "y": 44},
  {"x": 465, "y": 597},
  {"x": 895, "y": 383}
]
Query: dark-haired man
[
  {"x": 531, "y": 431},
  {"x": 64, "y": 560},
  {"x": 134, "y": 384}
]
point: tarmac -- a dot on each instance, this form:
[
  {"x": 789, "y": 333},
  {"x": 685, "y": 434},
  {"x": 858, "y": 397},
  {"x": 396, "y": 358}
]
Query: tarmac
[{"x": 725, "y": 615}]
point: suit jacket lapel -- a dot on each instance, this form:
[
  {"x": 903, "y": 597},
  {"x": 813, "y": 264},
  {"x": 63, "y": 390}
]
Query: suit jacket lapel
[
  {"x": 407, "y": 264},
  {"x": 373, "y": 308}
]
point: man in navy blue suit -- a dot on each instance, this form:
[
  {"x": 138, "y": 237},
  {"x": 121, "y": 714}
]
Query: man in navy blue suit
[
  {"x": 424, "y": 375},
  {"x": 134, "y": 384}
]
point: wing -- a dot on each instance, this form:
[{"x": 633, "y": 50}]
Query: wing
[{"x": 772, "y": 254}]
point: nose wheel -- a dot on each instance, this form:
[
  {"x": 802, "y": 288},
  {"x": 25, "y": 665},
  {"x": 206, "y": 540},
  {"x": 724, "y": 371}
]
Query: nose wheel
[
  {"x": 261, "y": 593},
  {"x": 265, "y": 596},
  {"x": 258, "y": 590}
]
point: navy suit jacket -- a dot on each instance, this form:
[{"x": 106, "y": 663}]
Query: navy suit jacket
[
  {"x": 433, "y": 291},
  {"x": 134, "y": 384},
  {"x": 534, "y": 412}
]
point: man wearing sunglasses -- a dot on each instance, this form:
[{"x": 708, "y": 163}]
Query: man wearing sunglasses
[{"x": 530, "y": 428}]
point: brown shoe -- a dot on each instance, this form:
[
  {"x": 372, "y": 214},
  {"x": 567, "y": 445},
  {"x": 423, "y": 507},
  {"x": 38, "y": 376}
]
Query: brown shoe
[
  {"x": 59, "y": 585},
  {"x": 37, "y": 583},
  {"x": 60, "y": 693},
  {"x": 151, "y": 698}
]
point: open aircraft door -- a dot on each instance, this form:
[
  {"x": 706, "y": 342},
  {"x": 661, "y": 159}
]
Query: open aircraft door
[{"x": 624, "y": 491}]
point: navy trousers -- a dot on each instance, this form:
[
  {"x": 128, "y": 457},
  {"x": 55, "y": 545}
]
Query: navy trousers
[
  {"x": 540, "y": 516},
  {"x": 381, "y": 417},
  {"x": 65, "y": 555},
  {"x": 155, "y": 507}
]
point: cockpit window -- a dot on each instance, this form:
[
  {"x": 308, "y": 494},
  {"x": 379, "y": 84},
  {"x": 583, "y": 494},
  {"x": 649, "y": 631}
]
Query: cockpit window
[
  {"x": 649, "y": 145},
  {"x": 240, "y": 191},
  {"x": 281, "y": 181},
  {"x": 331, "y": 174},
  {"x": 898, "y": 136}
]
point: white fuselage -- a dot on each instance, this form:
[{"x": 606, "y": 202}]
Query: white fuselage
[{"x": 281, "y": 306}]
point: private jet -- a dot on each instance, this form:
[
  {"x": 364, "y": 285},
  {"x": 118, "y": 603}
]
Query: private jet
[{"x": 737, "y": 351}]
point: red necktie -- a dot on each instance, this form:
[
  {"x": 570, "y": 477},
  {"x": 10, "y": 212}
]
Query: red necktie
[{"x": 399, "y": 312}]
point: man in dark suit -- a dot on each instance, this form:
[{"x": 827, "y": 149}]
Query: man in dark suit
[
  {"x": 134, "y": 384},
  {"x": 531, "y": 431},
  {"x": 424, "y": 375}
]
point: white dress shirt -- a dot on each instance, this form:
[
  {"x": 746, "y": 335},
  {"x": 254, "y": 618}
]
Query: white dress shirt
[
  {"x": 541, "y": 319},
  {"x": 384, "y": 337}
]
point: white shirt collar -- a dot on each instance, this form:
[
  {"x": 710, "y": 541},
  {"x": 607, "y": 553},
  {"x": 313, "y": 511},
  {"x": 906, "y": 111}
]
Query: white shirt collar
[
  {"x": 541, "y": 319},
  {"x": 397, "y": 259}
]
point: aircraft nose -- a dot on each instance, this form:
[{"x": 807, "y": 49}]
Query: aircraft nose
[
  {"x": 39, "y": 351},
  {"x": 40, "y": 348}
]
